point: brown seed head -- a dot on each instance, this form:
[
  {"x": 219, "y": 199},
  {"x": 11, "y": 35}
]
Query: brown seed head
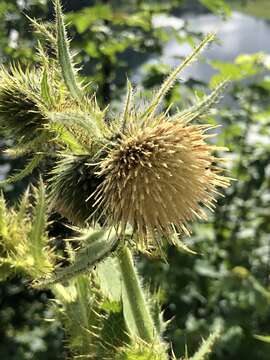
[{"x": 156, "y": 178}]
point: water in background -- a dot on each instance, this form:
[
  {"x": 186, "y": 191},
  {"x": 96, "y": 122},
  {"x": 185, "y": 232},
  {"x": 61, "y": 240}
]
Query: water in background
[{"x": 239, "y": 34}]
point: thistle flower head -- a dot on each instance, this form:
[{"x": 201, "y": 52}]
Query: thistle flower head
[
  {"x": 20, "y": 116},
  {"x": 157, "y": 176},
  {"x": 73, "y": 180}
]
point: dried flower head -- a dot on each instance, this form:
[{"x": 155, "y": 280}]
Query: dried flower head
[{"x": 157, "y": 176}]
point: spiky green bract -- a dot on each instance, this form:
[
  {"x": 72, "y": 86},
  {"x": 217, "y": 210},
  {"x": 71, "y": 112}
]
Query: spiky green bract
[
  {"x": 80, "y": 127},
  {"x": 93, "y": 322},
  {"x": 207, "y": 345},
  {"x": 24, "y": 241},
  {"x": 168, "y": 83},
  {"x": 95, "y": 246},
  {"x": 73, "y": 181},
  {"x": 20, "y": 100},
  {"x": 27, "y": 170},
  {"x": 46, "y": 30},
  {"x": 140, "y": 350}
]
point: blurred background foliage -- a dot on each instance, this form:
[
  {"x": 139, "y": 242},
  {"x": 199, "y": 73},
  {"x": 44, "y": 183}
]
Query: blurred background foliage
[{"x": 228, "y": 279}]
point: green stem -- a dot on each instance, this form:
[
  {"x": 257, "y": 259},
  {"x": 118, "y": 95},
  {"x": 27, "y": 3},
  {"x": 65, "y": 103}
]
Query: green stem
[{"x": 135, "y": 297}]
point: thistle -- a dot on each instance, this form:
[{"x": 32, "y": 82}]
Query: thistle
[
  {"x": 159, "y": 171},
  {"x": 145, "y": 170},
  {"x": 20, "y": 98},
  {"x": 24, "y": 239},
  {"x": 157, "y": 176},
  {"x": 152, "y": 171},
  {"x": 72, "y": 181}
]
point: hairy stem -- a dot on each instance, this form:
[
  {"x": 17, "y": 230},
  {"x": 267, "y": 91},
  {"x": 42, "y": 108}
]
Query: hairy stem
[{"x": 135, "y": 298}]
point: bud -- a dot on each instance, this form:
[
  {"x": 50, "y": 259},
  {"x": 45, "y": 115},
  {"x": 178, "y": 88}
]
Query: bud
[
  {"x": 20, "y": 116},
  {"x": 73, "y": 181}
]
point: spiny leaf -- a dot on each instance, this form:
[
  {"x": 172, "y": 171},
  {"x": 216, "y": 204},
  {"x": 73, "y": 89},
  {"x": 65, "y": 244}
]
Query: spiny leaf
[
  {"x": 3, "y": 216},
  {"x": 94, "y": 251},
  {"x": 45, "y": 88},
  {"x": 29, "y": 147},
  {"x": 173, "y": 76},
  {"x": 110, "y": 279},
  {"x": 202, "y": 108},
  {"x": 140, "y": 350},
  {"x": 79, "y": 121},
  {"x": 39, "y": 224},
  {"x": 80, "y": 315},
  {"x": 25, "y": 172},
  {"x": 93, "y": 322},
  {"x": 25, "y": 242},
  {"x": 64, "y": 57},
  {"x": 207, "y": 345},
  {"x": 43, "y": 30},
  {"x": 23, "y": 205}
]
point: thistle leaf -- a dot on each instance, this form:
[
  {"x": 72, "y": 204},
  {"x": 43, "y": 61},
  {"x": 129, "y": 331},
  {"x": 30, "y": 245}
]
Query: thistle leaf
[
  {"x": 25, "y": 172},
  {"x": 202, "y": 108},
  {"x": 38, "y": 228},
  {"x": 64, "y": 57},
  {"x": 168, "y": 83},
  {"x": 207, "y": 345},
  {"x": 29, "y": 147},
  {"x": 94, "y": 323},
  {"x": 45, "y": 88},
  {"x": 42, "y": 29},
  {"x": 110, "y": 279},
  {"x": 79, "y": 122},
  {"x": 3, "y": 217},
  {"x": 80, "y": 313},
  {"x": 24, "y": 241},
  {"x": 98, "y": 245},
  {"x": 140, "y": 350},
  {"x": 23, "y": 206}
]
